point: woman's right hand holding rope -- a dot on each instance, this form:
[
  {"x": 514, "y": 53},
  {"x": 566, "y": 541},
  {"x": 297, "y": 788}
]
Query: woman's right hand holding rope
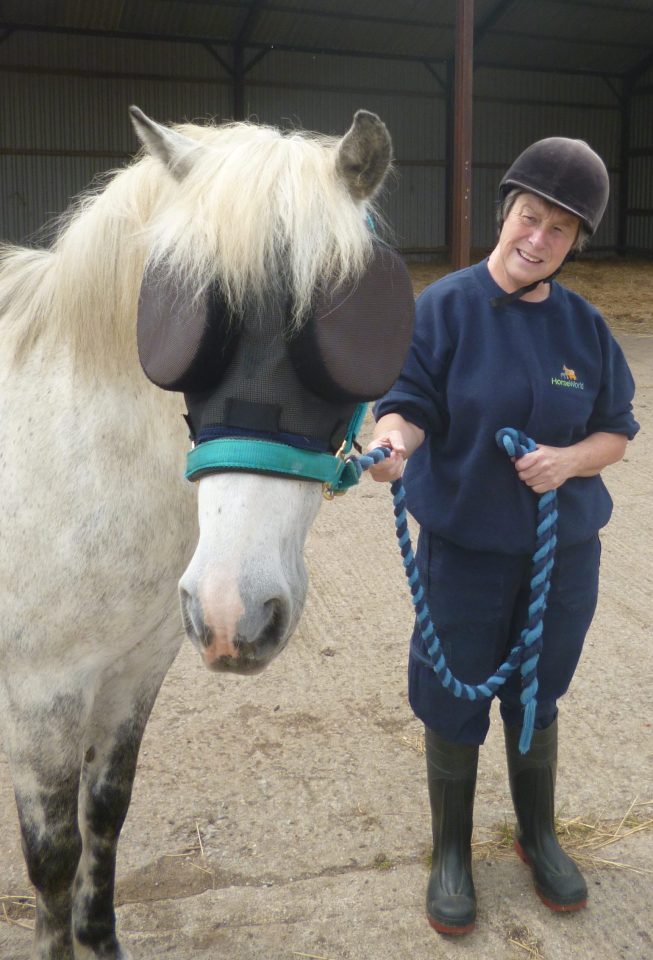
[
  {"x": 402, "y": 437},
  {"x": 393, "y": 466}
]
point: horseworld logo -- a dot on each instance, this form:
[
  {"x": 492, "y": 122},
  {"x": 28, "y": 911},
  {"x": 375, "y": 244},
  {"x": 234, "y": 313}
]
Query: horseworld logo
[{"x": 568, "y": 378}]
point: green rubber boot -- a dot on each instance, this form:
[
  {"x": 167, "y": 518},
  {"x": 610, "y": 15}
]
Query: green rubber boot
[
  {"x": 558, "y": 881},
  {"x": 451, "y": 773}
]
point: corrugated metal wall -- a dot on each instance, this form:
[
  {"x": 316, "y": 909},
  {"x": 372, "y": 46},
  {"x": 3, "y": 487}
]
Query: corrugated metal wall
[
  {"x": 64, "y": 120},
  {"x": 639, "y": 234},
  {"x": 64, "y": 117}
]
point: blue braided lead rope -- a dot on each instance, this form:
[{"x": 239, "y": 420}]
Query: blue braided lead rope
[{"x": 526, "y": 653}]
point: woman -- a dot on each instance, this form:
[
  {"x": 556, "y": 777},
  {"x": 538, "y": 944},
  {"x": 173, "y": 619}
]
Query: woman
[{"x": 500, "y": 344}]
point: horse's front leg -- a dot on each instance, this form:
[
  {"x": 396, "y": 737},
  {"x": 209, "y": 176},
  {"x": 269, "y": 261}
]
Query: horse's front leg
[
  {"x": 107, "y": 779},
  {"x": 52, "y": 847},
  {"x": 43, "y": 743},
  {"x": 120, "y": 713}
]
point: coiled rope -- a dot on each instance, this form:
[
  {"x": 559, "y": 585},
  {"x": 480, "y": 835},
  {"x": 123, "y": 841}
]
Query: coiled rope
[{"x": 526, "y": 653}]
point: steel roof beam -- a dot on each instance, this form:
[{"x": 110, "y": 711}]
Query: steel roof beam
[
  {"x": 493, "y": 17},
  {"x": 619, "y": 8},
  {"x": 567, "y": 71},
  {"x": 570, "y": 41},
  {"x": 290, "y": 48},
  {"x": 323, "y": 13},
  {"x": 218, "y": 41},
  {"x": 361, "y": 17},
  {"x": 434, "y": 73},
  {"x": 223, "y": 63},
  {"x": 249, "y": 22},
  {"x": 240, "y": 42}
]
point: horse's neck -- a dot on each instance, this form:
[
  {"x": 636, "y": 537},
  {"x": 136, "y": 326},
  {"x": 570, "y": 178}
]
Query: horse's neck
[{"x": 82, "y": 294}]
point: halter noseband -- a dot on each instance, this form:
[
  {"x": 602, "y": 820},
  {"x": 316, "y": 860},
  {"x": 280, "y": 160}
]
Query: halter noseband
[{"x": 258, "y": 455}]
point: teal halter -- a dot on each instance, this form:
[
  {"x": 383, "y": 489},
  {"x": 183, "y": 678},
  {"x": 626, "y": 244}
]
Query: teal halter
[{"x": 250, "y": 454}]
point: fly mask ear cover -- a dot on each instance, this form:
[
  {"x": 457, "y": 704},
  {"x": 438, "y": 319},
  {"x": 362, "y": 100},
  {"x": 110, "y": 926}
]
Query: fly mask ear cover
[
  {"x": 185, "y": 342},
  {"x": 354, "y": 345}
]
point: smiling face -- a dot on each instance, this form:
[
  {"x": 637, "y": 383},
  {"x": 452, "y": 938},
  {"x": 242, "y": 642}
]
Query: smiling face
[{"x": 535, "y": 238}]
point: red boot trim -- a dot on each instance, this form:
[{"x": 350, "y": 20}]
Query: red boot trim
[
  {"x": 560, "y": 907},
  {"x": 551, "y": 904},
  {"x": 452, "y": 931}
]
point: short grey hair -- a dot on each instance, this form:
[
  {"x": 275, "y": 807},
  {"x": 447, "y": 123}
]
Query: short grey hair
[{"x": 505, "y": 206}]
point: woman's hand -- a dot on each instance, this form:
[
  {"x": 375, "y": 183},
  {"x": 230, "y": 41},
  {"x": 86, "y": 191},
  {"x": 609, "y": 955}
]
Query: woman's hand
[
  {"x": 393, "y": 466},
  {"x": 402, "y": 437},
  {"x": 544, "y": 469},
  {"x": 547, "y": 468}
]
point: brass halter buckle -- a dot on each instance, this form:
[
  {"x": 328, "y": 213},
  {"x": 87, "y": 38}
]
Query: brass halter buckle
[{"x": 327, "y": 489}]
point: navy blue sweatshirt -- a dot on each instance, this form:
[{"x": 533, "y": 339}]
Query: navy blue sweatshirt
[{"x": 551, "y": 369}]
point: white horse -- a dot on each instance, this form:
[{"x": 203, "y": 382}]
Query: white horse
[{"x": 97, "y": 522}]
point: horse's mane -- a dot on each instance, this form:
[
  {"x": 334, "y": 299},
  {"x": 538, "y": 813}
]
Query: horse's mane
[{"x": 257, "y": 208}]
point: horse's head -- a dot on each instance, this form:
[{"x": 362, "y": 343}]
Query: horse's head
[{"x": 261, "y": 303}]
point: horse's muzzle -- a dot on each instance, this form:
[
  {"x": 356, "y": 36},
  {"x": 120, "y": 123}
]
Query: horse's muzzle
[{"x": 244, "y": 647}]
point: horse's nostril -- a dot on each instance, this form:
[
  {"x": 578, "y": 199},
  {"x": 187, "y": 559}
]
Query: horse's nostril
[
  {"x": 275, "y": 626},
  {"x": 261, "y": 628},
  {"x": 273, "y": 610},
  {"x": 192, "y": 617}
]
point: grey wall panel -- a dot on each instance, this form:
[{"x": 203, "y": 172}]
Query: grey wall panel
[
  {"x": 606, "y": 235},
  {"x": 641, "y": 120},
  {"x": 66, "y": 114},
  {"x": 415, "y": 208},
  {"x": 640, "y": 234},
  {"x": 500, "y": 134},
  {"x": 646, "y": 78},
  {"x": 641, "y": 184},
  {"x": 484, "y": 193},
  {"x": 35, "y": 191},
  {"x": 57, "y": 132},
  {"x": 279, "y": 67},
  {"x": 97, "y": 54},
  {"x": 417, "y": 130},
  {"x": 523, "y": 85}
]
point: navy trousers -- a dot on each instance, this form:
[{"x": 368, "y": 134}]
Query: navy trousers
[{"x": 479, "y": 606}]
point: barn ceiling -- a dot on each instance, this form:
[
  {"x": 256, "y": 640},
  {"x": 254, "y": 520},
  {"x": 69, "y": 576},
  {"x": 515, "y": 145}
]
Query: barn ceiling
[{"x": 611, "y": 38}]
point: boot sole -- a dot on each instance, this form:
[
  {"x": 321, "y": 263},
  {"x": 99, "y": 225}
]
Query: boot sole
[
  {"x": 449, "y": 930},
  {"x": 547, "y": 901}
]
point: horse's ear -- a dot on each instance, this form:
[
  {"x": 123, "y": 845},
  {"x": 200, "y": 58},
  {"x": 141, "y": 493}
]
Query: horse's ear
[
  {"x": 173, "y": 148},
  {"x": 364, "y": 154}
]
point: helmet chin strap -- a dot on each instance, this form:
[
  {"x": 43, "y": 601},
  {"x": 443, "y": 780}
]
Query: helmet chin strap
[{"x": 516, "y": 294}]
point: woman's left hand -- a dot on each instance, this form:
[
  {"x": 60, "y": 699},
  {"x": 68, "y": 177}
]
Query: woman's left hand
[
  {"x": 547, "y": 468},
  {"x": 544, "y": 469}
]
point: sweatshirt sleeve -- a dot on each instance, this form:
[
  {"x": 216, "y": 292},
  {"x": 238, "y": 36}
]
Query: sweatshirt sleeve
[
  {"x": 613, "y": 411},
  {"x": 419, "y": 393}
]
